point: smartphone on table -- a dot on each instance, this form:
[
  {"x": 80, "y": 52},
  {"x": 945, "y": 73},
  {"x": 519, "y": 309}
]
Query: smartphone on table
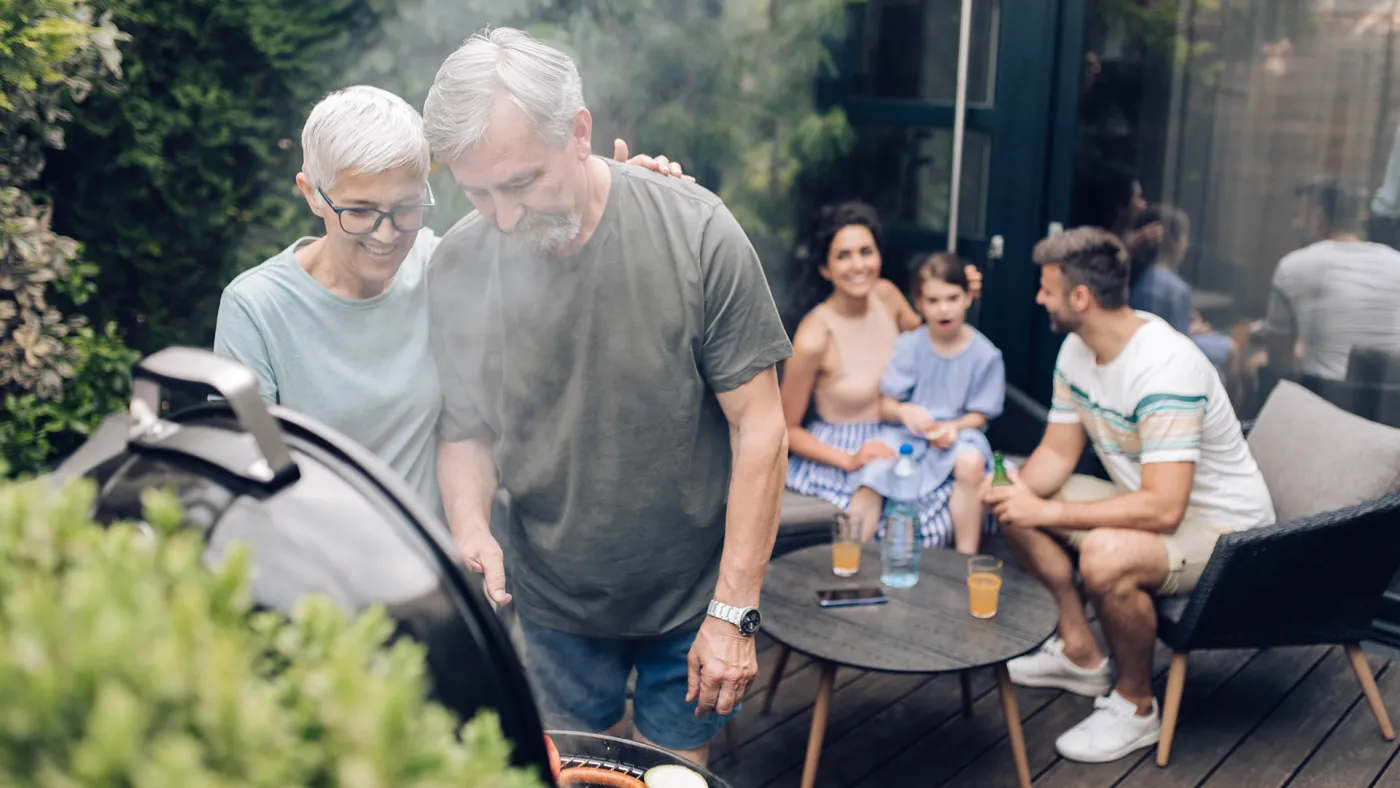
[{"x": 846, "y": 597}]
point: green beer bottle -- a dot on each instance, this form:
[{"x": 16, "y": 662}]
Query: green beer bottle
[{"x": 999, "y": 476}]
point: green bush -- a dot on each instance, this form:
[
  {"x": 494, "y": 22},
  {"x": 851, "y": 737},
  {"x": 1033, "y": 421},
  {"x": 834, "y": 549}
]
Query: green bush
[
  {"x": 39, "y": 430},
  {"x": 125, "y": 661},
  {"x": 58, "y": 377}
]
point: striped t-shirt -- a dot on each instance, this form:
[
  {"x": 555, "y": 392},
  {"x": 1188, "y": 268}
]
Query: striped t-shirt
[
  {"x": 1160, "y": 400},
  {"x": 1335, "y": 295}
]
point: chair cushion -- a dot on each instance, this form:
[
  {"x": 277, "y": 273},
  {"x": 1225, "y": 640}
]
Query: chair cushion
[
  {"x": 1316, "y": 457},
  {"x": 803, "y": 513}
]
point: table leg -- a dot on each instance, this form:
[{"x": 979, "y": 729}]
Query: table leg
[
  {"x": 965, "y": 678},
  {"x": 818, "y": 732},
  {"x": 1013, "y": 725}
]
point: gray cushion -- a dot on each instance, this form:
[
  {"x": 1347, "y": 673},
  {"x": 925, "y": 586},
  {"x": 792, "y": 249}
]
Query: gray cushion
[
  {"x": 1316, "y": 457},
  {"x": 804, "y": 513}
]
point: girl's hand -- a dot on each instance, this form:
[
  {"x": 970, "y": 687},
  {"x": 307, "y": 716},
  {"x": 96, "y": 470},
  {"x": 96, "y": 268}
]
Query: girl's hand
[
  {"x": 944, "y": 436},
  {"x": 869, "y": 452},
  {"x": 916, "y": 419}
]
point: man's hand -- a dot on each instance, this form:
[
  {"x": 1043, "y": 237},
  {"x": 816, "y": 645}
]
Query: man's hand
[
  {"x": 482, "y": 553},
  {"x": 1016, "y": 505},
  {"x": 916, "y": 419},
  {"x": 869, "y": 452},
  {"x": 659, "y": 164},
  {"x": 974, "y": 281},
  {"x": 722, "y": 664}
]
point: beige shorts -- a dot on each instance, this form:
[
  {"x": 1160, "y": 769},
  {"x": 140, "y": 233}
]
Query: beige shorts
[{"x": 1188, "y": 548}]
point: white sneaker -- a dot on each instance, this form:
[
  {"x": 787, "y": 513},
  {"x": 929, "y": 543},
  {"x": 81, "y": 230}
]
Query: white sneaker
[
  {"x": 1114, "y": 730},
  {"x": 1049, "y": 667}
]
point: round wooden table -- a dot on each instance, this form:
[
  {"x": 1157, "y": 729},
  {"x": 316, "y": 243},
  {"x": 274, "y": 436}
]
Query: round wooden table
[{"x": 924, "y": 629}]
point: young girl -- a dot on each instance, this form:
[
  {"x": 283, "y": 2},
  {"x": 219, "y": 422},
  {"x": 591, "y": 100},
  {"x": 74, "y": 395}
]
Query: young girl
[{"x": 944, "y": 382}]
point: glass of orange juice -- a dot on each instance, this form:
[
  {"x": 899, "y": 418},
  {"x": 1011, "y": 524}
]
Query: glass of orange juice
[
  {"x": 845, "y": 546},
  {"x": 983, "y": 585}
]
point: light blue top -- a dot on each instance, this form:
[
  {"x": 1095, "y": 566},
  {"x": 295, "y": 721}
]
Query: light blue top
[
  {"x": 362, "y": 367},
  {"x": 948, "y": 387}
]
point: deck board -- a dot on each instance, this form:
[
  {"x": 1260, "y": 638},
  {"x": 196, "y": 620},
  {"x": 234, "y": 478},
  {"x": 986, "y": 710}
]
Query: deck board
[{"x": 1289, "y": 716}]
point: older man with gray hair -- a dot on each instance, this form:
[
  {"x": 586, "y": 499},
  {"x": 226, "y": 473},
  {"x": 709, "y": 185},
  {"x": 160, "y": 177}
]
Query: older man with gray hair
[{"x": 607, "y": 346}]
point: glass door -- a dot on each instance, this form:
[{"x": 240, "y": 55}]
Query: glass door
[{"x": 899, "y": 86}]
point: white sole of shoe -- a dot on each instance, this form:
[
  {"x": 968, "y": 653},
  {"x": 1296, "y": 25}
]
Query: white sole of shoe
[
  {"x": 1146, "y": 740},
  {"x": 1088, "y": 689}
]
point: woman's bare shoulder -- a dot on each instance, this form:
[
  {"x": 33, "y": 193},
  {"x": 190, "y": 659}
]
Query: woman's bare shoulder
[{"x": 812, "y": 336}]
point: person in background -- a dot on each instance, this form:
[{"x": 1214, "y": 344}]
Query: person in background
[
  {"x": 608, "y": 351},
  {"x": 944, "y": 382},
  {"x": 1160, "y": 237},
  {"x": 336, "y": 327},
  {"x": 1335, "y": 293},
  {"x": 850, "y": 319},
  {"x": 1107, "y": 196},
  {"x": 1182, "y": 475}
]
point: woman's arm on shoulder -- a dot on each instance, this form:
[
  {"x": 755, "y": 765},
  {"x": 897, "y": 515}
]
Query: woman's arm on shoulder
[
  {"x": 800, "y": 374},
  {"x": 904, "y": 315},
  {"x": 237, "y": 336}
]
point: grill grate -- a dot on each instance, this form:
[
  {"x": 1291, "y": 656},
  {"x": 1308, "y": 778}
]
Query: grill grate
[{"x": 600, "y": 763}]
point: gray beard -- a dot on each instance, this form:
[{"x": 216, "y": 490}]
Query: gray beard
[{"x": 547, "y": 234}]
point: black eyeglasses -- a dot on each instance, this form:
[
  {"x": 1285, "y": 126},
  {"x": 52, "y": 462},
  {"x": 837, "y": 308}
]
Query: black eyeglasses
[{"x": 364, "y": 221}]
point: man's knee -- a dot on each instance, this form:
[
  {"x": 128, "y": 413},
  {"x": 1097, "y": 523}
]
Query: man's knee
[
  {"x": 969, "y": 468},
  {"x": 1106, "y": 561}
]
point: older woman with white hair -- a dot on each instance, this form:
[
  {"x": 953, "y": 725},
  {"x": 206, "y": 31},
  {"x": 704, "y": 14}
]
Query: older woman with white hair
[{"x": 336, "y": 327}]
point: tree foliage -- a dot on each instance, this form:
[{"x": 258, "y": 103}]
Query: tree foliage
[{"x": 184, "y": 176}]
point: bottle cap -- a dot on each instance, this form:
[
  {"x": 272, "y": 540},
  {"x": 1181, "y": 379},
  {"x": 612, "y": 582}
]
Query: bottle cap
[{"x": 906, "y": 449}]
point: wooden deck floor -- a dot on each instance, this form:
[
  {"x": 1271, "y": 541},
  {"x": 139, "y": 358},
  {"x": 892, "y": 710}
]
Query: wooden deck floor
[{"x": 1292, "y": 716}]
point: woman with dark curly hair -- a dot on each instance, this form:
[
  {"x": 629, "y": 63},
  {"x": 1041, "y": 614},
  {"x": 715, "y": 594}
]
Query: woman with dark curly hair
[{"x": 850, "y": 318}]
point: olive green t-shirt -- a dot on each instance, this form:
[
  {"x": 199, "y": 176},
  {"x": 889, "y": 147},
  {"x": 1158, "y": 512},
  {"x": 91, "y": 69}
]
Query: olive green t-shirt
[{"x": 595, "y": 378}]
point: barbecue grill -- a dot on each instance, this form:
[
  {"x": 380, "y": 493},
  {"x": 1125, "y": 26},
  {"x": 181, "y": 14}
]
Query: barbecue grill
[{"x": 320, "y": 514}]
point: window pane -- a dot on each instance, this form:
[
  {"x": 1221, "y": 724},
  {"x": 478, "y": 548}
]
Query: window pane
[
  {"x": 909, "y": 50},
  {"x": 905, "y": 172},
  {"x": 1271, "y": 127}
]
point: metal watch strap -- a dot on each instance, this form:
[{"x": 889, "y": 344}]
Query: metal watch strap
[{"x": 725, "y": 612}]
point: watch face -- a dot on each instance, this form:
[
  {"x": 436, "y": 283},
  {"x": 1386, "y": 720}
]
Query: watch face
[{"x": 748, "y": 624}]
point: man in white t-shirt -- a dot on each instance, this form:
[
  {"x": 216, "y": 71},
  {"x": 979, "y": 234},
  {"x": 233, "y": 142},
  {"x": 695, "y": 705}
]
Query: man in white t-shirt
[{"x": 1160, "y": 420}]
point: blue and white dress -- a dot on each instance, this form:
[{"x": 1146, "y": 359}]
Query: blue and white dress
[{"x": 948, "y": 387}]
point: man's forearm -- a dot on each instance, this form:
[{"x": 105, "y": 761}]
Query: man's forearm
[
  {"x": 1139, "y": 511},
  {"x": 1045, "y": 471},
  {"x": 467, "y": 476},
  {"x": 760, "y": 450}
]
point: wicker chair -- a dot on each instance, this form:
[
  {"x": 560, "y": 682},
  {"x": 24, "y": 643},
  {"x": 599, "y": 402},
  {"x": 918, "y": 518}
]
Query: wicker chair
[{"x": 1315, "y": 577}]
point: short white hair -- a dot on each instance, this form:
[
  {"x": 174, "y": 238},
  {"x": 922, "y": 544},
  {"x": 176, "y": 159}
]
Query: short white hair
[
  {"x": 492, "y": 64},
  {"x": 363, "y": 129}
]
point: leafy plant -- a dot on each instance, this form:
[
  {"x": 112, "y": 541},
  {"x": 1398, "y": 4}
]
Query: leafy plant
[
  {"x": 58, "y": 376},
  {"x": 38, "y": 429},
  {"x": 126, "y": 661},
  {"x": 50, "y": 53}
]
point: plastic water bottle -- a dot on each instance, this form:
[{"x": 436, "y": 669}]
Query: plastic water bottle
[{"x": 899, "y": 548}]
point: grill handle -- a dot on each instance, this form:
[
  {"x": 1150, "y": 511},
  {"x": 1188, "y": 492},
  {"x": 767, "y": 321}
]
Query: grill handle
[{"x": 199, "y": 371}]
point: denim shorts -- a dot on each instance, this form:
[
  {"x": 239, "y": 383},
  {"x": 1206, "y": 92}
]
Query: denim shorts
[{"x": 580, "y": 684}]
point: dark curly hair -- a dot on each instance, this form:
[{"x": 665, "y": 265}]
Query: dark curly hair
[{"x": 812, "y": 288}]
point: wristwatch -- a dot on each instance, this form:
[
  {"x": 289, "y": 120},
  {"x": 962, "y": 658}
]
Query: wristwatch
[{"x": 747, "y": 619}]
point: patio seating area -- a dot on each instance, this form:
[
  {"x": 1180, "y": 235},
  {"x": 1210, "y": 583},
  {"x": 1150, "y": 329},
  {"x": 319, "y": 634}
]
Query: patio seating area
[{"x": 1272, "y": 717}]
